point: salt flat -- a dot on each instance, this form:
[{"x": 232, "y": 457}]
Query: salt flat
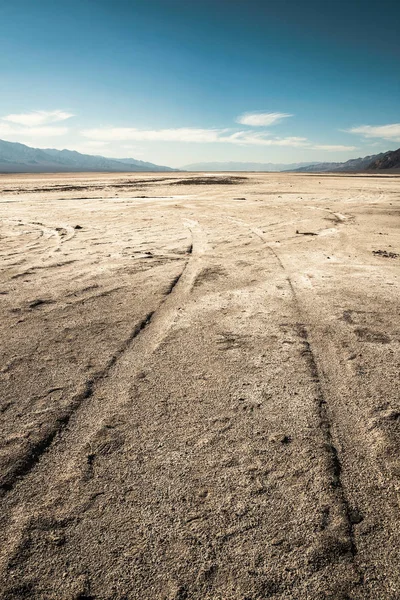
[{"x": 199, "y": 386}]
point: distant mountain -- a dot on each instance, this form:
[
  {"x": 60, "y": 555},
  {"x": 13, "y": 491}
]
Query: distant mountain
[
  {"x": 142, "y": 164},
  {"x": 244, "y": 166},
  {"x": 350, "y": 166},
  {"x": 388, "y": 161},
  {"x": 18, "y": 158}
]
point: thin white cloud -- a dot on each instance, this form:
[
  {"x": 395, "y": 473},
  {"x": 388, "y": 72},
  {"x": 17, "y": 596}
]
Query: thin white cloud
[
  {"x": 13, "y": 132},
  {"x": 220, "y": 136},
  {"x": 333, "y": 147},
  {"x": 38, "y": 117},
  {"x": 90, "y": 147},
  {"x": 96, "y": 144},
  {"x": 386, "y": 132},
  {"x": 259, "y": 139},
  {"x": 161, "y": 135},
  {"x": 6, "y": 129},
  {"x": 192, "y": 135},
  {"x": 37, "y": 126},
  {"x": 260, "y": 119},
  {"x": 34, "y": 125},
  {"x": 46, "y": 131}
]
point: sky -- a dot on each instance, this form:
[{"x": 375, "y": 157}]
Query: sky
[{"x": 182, "y": 81}]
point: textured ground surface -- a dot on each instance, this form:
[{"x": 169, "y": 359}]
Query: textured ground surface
[{"x": 200, "y": 387}]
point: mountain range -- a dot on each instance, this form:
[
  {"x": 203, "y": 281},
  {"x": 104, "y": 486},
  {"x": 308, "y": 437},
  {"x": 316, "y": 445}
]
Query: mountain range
[
  {"x": 389, "y": 160},
  {"x": 377, "y": 162},
  {"x": 18, "y": 158},
  {"x": 383, "y": 161},
  {"x": 350, "y": 166},
  {"x": 245, "y": 166}
]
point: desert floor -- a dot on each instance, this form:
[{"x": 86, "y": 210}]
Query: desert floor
[{"x": 200, "y": 386}]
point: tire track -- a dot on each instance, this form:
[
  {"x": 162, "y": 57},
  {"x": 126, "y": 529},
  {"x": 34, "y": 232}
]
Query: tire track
[
  {"x": 24, "y": 466},
  {"x": 49, "y": 242},
  {"x": 65, "y": 444},
  {"x": 155, "y": 324},
  {"x": 325, "y": 420}
]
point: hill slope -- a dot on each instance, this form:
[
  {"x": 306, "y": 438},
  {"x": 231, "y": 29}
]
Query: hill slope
[
  {"x": 350, "y": 166},
  {"x": 389, "y": 160},
  {"x": 19, "y": 158}
]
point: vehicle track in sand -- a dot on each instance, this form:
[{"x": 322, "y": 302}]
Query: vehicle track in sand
[
  {"x": 47, "y": 243},
  {"x": 339, "y": 425},
  {"x": 324, "y": 411},
  {"x": 72, "y": 431}
]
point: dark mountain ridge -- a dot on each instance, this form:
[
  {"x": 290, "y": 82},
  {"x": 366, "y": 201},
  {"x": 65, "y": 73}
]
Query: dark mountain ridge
[
  {"x": 352, "y": 165},
  {"x": 377, "y": 162},
  {"x": 388, "y": 161}
]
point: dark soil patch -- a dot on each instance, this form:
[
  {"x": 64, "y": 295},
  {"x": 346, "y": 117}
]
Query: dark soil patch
[
  {"x": 210, "y": 181},
  {"x": 385, "y": 253}
]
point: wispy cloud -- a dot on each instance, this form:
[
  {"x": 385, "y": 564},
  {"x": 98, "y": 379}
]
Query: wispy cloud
[
  {"x": 36, "y": 126},
  {"x": 386, "y": 132},
  {"x": 46, "y": 131},
  {"x": 263, "y": 139},
  {"x": 161, "y": 135},
  {"x": 38, "y": 117},
  {"x": 333, "y": 147},
  {"x": 6, "y": 130},
  {"x": 201, "y": 136},
  {"x": 33, "y": 125},
  {"x": 14, "y": 132},
  {"x": 90, "y": 147},
  {"x": 223, "y": 136},
  {"x": 261, "y": 119},
  {"x": 96, "y": 144}
]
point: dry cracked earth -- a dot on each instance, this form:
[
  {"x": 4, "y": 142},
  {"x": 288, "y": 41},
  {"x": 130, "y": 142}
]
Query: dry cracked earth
[{"x": 200, "y": 387}]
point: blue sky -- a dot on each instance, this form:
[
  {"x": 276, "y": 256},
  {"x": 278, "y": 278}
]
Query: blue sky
[{"x": 175, "y": 81}]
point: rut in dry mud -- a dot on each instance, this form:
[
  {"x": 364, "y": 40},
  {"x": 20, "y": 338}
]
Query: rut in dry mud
[
  {"x": 325, "y": 422},
  {"x": 23, "y": 467}
]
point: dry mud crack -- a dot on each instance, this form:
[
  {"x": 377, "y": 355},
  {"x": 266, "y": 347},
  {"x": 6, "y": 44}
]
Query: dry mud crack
[{"x": 198, "y": 401}]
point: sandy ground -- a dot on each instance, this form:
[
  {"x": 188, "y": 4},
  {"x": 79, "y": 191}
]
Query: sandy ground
[{"x": 200, "y": 387}]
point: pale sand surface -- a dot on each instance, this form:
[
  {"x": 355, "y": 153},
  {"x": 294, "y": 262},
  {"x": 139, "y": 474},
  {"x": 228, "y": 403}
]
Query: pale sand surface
[{"x": 198, "y": 400}]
